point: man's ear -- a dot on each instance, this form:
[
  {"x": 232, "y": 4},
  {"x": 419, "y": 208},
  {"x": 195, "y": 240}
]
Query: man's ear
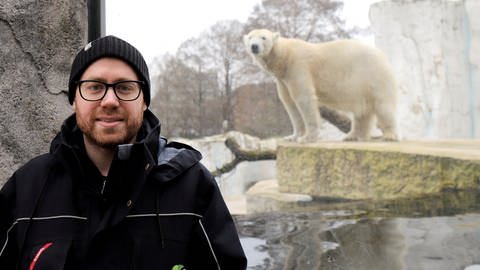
[{"x": 145, "y": 107}]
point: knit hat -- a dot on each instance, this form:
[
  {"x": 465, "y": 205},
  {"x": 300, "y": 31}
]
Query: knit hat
[{"x": 109, "y": 46}]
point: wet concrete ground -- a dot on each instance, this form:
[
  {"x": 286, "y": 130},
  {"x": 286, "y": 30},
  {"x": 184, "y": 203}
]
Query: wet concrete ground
[{"x": 439, "y": 232}]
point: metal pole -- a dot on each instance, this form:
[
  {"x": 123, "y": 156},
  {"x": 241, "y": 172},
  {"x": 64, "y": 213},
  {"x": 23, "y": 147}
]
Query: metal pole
[{"x": 96, "y": 19}]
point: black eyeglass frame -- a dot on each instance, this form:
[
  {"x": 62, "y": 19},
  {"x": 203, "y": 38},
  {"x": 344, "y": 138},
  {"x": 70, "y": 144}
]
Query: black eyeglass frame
[{"x": 112, "y": 85}]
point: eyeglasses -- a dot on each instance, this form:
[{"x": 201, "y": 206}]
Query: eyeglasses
[{"x": 93, "y": 90}]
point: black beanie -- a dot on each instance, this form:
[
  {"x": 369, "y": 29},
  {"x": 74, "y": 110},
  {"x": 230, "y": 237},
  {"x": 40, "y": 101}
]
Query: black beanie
[{"x": 109, "y": 46}]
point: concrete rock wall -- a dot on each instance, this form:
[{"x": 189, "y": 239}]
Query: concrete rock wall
[
  {"x": 378, "y": 170},
  {"x": 218, "y": 155},
  {"x": 38, "y": 40},
  {"x": 434, "y": 46}
]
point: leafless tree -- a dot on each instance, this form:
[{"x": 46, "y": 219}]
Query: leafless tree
[
  {"x": 310, "y": 20},
  {"x": 181, "y": 97},
  {"x": 218, "y": 50},
  {"x": 195, "y": 87}
]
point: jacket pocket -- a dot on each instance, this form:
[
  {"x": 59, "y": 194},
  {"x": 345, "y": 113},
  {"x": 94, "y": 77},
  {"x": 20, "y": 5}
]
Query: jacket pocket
[{"x": 49, "y": 255}]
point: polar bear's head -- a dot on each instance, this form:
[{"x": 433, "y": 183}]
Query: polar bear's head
[{"x": 259, "y": 42}]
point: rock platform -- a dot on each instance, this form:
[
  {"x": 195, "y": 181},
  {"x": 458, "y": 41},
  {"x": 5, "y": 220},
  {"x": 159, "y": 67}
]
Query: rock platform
[{"x": 365, "y": 171}]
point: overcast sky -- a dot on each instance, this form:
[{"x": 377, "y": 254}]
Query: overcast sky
[{"x": 159, "y": 26}]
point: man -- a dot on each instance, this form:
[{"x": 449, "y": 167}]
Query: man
[{"x": 111, "y": 193}]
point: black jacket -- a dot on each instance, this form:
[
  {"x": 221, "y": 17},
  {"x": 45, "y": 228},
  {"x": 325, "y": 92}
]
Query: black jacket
[{"x": 159, "y": 208}]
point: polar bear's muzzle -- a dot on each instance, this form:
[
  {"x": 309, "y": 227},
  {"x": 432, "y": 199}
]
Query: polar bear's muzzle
[{"x": 254, "y": 48}]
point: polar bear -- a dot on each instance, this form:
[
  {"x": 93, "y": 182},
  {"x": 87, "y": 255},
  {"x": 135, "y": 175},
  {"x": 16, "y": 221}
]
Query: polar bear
[{"x": 345, "y": 75}]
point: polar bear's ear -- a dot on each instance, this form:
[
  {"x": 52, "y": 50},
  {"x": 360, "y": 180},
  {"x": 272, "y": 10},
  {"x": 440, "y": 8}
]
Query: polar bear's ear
[{"x": 276, "y": 35}]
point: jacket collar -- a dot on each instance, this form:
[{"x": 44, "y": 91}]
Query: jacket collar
[
  {"x": 71, "y": 136},
  {"x": 170, "y": 159},
  {"x": 173, "y": 159}
]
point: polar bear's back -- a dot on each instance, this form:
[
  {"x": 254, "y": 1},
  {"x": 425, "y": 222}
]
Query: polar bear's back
[
  {"x": 343, "y": 56},
  {"x": 353, "y": 56},
  {"x": 341, "y": 69}
]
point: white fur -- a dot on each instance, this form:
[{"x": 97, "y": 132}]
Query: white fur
[{"x": 345, "y": 75}]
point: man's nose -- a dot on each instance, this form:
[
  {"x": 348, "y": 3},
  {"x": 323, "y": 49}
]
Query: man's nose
[{"x": 110, "y": 96}]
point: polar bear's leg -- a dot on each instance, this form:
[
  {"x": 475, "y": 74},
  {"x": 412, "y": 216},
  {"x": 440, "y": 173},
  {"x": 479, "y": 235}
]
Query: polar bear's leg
[
  {"x": 292, "y": 111},
  {"x": 387, "y": 122},
  {"x": 361, "y": 127},
  {"x": 307, "y": 104}
]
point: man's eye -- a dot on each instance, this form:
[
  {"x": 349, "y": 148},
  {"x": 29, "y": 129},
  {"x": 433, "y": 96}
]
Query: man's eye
[
  {"x": 124, "y": 87},
  {"x": 95, "y": 86}
]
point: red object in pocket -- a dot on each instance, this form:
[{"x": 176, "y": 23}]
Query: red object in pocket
[{"x": 39, "y": 252}]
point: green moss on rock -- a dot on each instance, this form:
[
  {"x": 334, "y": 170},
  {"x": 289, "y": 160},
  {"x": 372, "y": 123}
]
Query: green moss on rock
[{"x": 373, "y": 170}]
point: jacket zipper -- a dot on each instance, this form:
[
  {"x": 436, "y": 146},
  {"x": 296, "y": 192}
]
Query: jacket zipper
[
  {"x": 103, "y": 186},
  {"x": 39, "y": 252}
]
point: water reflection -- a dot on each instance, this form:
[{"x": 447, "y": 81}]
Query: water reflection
[{"x": 436, "y": 232}]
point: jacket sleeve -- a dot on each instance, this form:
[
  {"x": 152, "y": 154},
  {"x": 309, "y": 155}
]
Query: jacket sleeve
[
  {"x": 8, "y": 250},
  {"x": 219, "y": 229}
]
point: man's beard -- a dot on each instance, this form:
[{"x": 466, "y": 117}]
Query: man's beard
[{"x": 109, "y": 138}]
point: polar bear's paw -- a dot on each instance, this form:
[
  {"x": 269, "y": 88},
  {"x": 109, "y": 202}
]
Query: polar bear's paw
[
  {"x": 351, "y": 138},
  {"x": 390, "y": 137},
  {"x": 290, "y": 138},
  {"x": 309, "y": 138}
]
